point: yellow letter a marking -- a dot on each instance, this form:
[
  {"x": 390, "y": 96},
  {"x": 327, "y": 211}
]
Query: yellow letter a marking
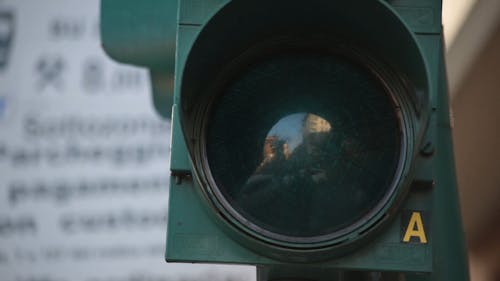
[{"x": 415, "y": 229}]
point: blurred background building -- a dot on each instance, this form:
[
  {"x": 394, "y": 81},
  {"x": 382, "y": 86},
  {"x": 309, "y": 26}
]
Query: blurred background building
[
  {"x": 84, "y": 158},
  {"x": 473, "y": 58}
]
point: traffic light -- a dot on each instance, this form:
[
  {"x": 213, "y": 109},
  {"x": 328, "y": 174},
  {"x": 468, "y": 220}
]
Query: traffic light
[{"x": 311, "y": 139}]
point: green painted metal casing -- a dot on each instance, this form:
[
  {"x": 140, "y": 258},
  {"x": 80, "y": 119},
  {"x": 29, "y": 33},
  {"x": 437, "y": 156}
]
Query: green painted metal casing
[
  {"x": 143, "y": 34},
  {"x": 197, "y": 232}
]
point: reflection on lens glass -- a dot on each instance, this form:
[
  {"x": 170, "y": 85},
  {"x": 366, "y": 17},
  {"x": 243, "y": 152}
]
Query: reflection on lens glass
[
  {"x": 297, "y": 131},
  {"x": 303, "y": 145}
]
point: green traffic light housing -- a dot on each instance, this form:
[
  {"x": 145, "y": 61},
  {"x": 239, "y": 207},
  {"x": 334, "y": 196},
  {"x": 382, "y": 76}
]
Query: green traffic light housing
[
  {"x": 311, "y": 139},
  {"x": 303, "y": 129}
]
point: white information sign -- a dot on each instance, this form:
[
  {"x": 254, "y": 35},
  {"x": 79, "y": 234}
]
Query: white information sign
[{"x": 83, "y": 156}]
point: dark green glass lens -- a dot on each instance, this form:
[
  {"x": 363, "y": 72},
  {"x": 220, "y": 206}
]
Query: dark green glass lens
[{"x": 303, "y": 145}]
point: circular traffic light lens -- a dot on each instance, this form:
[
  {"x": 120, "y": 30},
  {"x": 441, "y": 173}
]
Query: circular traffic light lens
[{"x": 303, "y": 145}]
